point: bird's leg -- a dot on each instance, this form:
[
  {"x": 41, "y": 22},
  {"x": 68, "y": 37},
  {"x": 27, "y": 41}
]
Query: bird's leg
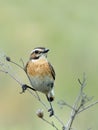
[
  {"x": 51, "y": 110},
  {"x": 24, "y": 88}
]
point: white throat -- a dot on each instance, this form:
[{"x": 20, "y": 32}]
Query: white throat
[{"x": 43, "y": 57}]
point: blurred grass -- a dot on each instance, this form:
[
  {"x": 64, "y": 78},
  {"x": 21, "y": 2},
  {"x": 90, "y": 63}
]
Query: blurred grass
[{"x": 70, "y": 30}]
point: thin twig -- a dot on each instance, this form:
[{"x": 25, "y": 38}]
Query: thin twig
[
  {"x": 20, "y": 83},
  {"x": 59, "y": 120},
  {"x": 73, "y": 116},
  {"x": 50, "y": 123},
  {"x": 87, "y": 107},
  {"x": 56, "y": 117},
  {"x": 9, "y": 60},
  {"x": 79, "y": 102},
  {"x": 63, "y": 103},
  {"x": 22, "y": 62}
]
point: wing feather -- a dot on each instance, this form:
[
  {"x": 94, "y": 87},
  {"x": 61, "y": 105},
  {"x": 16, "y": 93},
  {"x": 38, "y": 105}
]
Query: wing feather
[{"x": 52, "y": 71}]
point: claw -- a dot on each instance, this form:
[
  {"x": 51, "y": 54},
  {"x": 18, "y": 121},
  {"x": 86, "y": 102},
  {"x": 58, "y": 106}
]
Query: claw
[
  {"x": 51, "y": 112},
  {"x": 24, "y": 87}
]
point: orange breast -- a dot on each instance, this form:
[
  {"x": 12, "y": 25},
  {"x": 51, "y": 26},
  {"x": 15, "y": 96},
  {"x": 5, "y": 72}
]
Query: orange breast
[{"x": 38, "y": 68}]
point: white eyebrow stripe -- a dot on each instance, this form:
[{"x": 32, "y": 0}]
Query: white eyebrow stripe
[{"x": 36, "y": 50}]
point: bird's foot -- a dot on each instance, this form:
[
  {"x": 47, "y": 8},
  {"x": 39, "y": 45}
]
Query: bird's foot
[
  {"x": 51, "y": 112},
  {"x": 24, "y": 88}
]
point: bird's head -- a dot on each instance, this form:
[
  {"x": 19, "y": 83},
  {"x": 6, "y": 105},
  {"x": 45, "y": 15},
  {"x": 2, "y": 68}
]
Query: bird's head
[{"x": 38, "y": 52}]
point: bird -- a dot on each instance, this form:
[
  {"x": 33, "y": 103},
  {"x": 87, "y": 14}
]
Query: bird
[{"x": 41, "y": 73}]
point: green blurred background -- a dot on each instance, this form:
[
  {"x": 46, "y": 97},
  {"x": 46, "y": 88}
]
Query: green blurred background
[{"x": 70, "y": 30}]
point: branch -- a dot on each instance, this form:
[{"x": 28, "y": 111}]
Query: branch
[
  {"x": 63, "y": 103},
  {"x": 78, "y": 104},
  {"x": 50, "y": 123},
  {"x": 87, "y": 107}
]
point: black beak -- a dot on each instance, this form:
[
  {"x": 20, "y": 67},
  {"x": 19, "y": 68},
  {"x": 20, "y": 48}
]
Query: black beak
[{"x": 46, "y": 50}]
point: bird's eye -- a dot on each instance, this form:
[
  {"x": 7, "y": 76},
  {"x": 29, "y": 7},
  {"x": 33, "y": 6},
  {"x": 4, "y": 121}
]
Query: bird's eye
[{"x": 36, "y": 51}]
